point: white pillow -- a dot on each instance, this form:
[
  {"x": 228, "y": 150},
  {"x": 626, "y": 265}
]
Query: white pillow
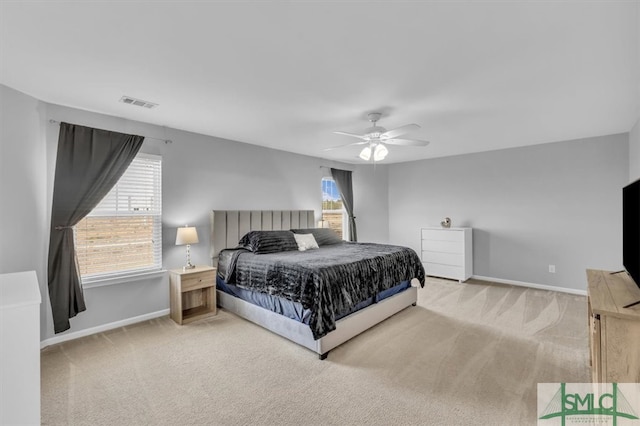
[{"x": 306, "y": 242}]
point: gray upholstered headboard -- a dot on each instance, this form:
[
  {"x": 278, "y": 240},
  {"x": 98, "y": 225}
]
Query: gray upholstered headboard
[{"x": 228, "y": 226}]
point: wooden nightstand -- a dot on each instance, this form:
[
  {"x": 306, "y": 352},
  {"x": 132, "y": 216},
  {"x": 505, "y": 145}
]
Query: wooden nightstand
[{"x": 193, "y": 293}]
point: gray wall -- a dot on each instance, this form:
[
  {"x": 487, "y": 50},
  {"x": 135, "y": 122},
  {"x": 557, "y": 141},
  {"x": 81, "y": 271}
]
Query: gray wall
[
  {"x": 557, "y": 203},
  {"x": 634, "y": 152},
  {"x": 634, "y": 133},
  {"x": 200, "y": 173},
  {"x": 23, "y": 211},
  {"x": 530, "y": 207},
  {"x": 371, "y": 197}
]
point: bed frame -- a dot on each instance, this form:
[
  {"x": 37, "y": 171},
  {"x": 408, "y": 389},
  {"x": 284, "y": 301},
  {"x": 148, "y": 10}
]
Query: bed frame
[{"x": 228, "y": 226}]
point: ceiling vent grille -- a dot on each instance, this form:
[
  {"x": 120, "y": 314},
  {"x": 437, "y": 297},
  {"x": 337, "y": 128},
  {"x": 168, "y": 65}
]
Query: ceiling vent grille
[{"x": 137, "y": 102}]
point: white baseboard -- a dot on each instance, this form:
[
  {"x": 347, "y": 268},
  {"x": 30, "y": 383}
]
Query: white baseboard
[
  {"x": 99, "y": 329},
  {"x": 93, "y": 330},
  {"x": 532, "y": 285}
]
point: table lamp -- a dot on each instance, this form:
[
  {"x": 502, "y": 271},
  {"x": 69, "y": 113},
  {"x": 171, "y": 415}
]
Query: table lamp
[{"x": 187, "y": 235}]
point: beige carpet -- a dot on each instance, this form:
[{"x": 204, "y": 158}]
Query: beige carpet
[{"x": 468, "y": 354}]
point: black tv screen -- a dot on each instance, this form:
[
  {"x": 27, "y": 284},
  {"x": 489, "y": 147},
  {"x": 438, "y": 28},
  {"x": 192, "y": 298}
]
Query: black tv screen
[{"x": 631, "y": 230}]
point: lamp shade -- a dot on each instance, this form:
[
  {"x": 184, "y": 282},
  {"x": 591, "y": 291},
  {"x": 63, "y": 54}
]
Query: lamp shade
[
  {"x": 380, "y": 153},
  {"x": 365, "y": 154},
  {"x": 186, "y": 235}
]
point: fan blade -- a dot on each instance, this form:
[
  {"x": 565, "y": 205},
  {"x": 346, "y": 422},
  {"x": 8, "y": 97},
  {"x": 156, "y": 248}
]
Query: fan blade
[
  {"x": 398, "y": 131},
  {"x": 406, "y": 142},
  {"x": 350, "y": 134},
  {"x": 342, "y": 146}
]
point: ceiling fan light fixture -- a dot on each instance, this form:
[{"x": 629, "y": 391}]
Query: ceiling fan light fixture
[
  {"x": 365, "y": 154},
  {"x": 375, "y": 138},
  {"x": 380, "y": 152}
]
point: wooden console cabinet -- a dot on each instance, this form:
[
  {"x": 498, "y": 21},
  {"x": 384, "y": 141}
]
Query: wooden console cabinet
[{"x": 614, "y": 335}]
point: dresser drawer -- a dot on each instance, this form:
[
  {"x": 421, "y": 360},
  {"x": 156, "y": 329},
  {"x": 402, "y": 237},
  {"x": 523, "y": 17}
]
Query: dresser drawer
[
  {"x": 199, "y": 280},
  {"x": 443, "y": 235},
  {"x": 445, "y": 271},
  {"x": 443, "y": 246},
  {"x": 451, "y": 259}
]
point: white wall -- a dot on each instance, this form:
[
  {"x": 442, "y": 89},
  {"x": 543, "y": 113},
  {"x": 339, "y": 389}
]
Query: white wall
[
  {"x": 370, "y": 199},
  {"x": 634, "y": 152},
  {"x": 23, "y": 211},
  {"x": 557, "y": 204},
  {"x": 22, "y": 182},
  {"x": 634, "y": 133},
  {"x": 200, "y": 173}
]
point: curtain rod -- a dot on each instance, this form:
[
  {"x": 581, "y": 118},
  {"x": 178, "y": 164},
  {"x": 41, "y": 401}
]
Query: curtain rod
[{"x": 52, "y": 121}]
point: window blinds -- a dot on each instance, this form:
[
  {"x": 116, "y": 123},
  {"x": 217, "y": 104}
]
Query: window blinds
[{"x": 123, "y": 233}]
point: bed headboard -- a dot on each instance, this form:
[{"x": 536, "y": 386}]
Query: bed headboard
[{"x": 228, "y": 226}]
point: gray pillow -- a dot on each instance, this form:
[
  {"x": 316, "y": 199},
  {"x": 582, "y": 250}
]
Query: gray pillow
[
  {"x": 323, "y": 236},
  {"x": 262, "y": 242}
]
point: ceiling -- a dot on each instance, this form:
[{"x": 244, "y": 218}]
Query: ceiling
[{"x": 475, "y": 75}]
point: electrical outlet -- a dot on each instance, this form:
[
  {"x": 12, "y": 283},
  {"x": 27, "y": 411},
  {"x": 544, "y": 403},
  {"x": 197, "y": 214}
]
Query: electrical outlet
[{"x": 552, "y": 269}]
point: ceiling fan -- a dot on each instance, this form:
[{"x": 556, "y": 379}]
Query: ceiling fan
[{"x": 375, "y": 138}]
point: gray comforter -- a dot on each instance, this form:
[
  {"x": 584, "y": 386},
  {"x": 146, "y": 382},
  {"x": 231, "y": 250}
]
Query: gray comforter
[{"x": 328, "y": 281}]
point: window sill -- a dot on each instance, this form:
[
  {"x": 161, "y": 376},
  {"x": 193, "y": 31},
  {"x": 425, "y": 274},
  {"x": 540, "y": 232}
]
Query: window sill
[{"x": 121, "y": 279}]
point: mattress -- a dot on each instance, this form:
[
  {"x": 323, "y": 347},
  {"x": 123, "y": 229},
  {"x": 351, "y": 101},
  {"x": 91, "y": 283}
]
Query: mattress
[
  {"x": 327, "y": 283},
  {"x": 295, "y": 310}
]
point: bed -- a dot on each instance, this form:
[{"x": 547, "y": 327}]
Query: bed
[{"x": 317, "y": 298}]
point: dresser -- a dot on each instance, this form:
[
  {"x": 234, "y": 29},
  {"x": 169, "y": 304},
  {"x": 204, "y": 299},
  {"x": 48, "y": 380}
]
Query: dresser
[
  {"x": 19, "y": 349},
  {"x": 448, "y": 252}
]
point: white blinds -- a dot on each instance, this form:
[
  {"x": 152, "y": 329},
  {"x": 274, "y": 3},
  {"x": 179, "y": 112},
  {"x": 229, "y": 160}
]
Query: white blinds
[
  {"x": 123, "y": 234},
  {"x": 138, "y": 192}
]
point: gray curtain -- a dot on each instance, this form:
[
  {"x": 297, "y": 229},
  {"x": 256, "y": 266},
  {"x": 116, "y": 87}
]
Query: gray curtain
[
  {"x": 88, "y": 165},
  {"x": 343, "y": 182}
]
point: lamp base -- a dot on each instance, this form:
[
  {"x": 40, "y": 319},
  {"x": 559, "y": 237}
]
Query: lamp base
[{"x": 188, "y": 265}]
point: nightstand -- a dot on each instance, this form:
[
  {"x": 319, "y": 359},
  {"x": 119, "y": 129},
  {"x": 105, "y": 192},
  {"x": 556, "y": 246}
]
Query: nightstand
[{"x": 192, "y": 294}]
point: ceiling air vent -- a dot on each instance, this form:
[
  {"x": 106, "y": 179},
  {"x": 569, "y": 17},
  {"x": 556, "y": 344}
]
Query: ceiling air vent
[{"x": 137, "y": 102}]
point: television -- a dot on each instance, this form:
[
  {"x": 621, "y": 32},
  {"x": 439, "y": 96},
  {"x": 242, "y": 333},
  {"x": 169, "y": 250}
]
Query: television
[{"x": 631, "y": 230}]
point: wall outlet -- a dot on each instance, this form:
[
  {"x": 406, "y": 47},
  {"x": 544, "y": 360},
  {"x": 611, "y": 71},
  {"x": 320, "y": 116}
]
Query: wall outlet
[{"x": 552, "y": 269}]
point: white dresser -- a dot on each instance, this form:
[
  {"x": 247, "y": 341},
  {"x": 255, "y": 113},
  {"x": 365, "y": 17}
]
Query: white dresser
[
  {"x": 448, "y": 252},
  {"x": 19, "y": 349}
]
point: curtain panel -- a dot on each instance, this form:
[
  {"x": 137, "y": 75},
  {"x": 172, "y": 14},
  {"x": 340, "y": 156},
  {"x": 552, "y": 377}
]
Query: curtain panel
[
  {"x": 345, "y": 186},
  {"x": 89, "y": 163}
]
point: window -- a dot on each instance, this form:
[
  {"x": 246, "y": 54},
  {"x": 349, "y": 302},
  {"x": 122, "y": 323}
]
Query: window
[
  {"x": 332, "y": 209},
  {"x": 123, "y": 234}
]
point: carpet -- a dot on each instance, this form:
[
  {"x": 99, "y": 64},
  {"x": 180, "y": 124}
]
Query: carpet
[{"x": 468, "y": 354}]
